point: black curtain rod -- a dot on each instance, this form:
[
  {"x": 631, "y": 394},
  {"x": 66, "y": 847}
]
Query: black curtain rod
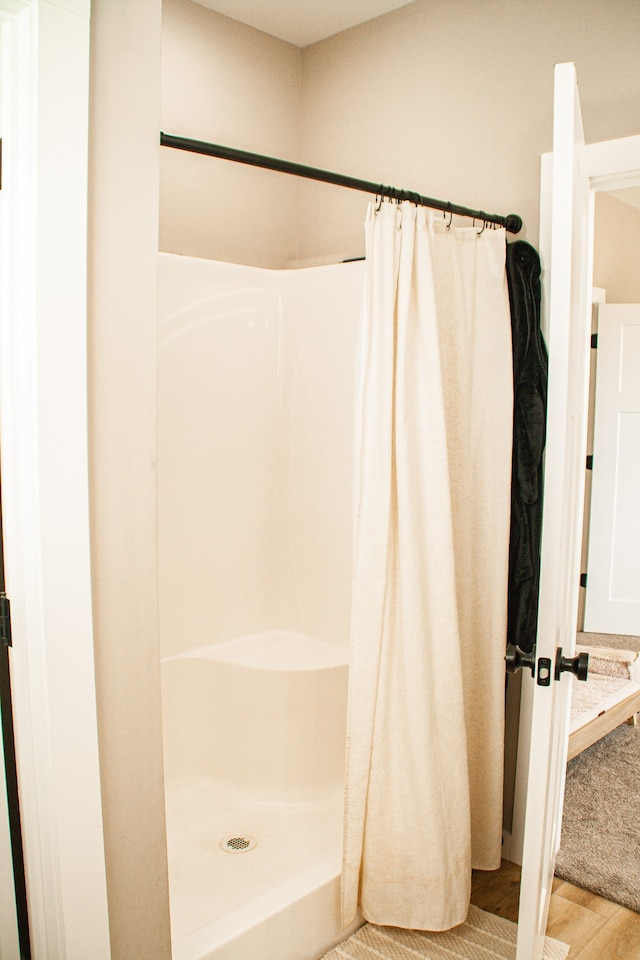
[{"x": 512, "y": 222}]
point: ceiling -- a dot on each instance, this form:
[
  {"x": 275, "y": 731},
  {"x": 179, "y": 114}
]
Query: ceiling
[{"x": 302, "y": 22}]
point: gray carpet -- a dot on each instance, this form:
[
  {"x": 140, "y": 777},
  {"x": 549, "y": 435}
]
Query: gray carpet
[{"x": 600, "y": 841}]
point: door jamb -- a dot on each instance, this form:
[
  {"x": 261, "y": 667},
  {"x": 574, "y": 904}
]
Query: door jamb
[{"x": 43, "y": 421}]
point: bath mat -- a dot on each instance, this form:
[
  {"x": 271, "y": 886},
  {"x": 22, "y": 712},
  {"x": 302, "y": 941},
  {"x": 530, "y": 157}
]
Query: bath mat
[
  {"x": 600, "y": 839},
  {"x": 482, "y": 935},
  {"x": 599, "y": 693},
  {"x": 612, "y": 661}
]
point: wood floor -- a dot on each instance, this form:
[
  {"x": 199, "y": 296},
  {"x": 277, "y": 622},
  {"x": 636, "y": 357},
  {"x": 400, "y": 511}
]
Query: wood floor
[{"x": 595, "y": 929}]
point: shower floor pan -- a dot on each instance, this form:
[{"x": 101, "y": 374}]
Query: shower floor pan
[
  {"x": 254, "y": 734},
  {"x": 276, "y": 899}
]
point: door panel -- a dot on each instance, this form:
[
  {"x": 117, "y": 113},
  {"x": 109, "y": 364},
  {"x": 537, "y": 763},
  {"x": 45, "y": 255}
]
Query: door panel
[
  {"x": 613, "y": 582},
  {"x": 566, "y": 262}
]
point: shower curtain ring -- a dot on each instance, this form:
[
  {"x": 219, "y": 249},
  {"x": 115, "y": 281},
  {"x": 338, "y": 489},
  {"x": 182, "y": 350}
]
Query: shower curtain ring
[
  {"x": 480, "y": 232},
  {"x": 450, "y": 219}
]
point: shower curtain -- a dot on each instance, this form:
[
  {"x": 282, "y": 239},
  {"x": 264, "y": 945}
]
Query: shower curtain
[{"x": 423, "y": 795}]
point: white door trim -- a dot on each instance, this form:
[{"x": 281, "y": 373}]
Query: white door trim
[
  {"x": 613, "y": 164},
  {"x": 43, "y": 424}
]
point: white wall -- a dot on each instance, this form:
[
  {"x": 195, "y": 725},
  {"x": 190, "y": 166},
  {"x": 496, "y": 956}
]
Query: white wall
[
  {"x": 218, "y": 451},
  {"x": 256, "y": 373},
  {"x": 227, "y": 83}
]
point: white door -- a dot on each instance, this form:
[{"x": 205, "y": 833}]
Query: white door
[
  {"x": 566, "y": 261},
  {"x": 613, "y": 581}
]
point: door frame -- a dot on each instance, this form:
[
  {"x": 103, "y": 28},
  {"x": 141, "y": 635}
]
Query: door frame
[
  {"x": 609, "y": 165},
  {"x": 43, "y": 425}
]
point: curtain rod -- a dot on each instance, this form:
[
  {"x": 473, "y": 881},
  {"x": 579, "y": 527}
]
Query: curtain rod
[{"x": 512, "y": 222}]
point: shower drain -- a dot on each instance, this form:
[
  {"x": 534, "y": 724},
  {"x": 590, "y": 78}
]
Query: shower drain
[{"x": 238, "y": 843}]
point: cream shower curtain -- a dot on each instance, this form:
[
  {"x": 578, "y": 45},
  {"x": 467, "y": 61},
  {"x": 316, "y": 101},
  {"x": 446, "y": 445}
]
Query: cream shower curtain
[{"x": 433, "y": 466}]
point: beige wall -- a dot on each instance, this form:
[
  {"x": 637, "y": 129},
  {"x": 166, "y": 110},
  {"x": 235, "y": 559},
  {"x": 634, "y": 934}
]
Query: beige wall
[
  {"x": 452, "y": 98},
  {"x": 616, "y": 250},
  {"x": 122, "y": 316},
  {"x": 227, "y": 83}
]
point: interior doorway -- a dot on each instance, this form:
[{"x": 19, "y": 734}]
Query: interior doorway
[{"x": 610, "y": 603}]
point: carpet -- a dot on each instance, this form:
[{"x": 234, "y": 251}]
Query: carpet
[
  {"x": 482, "y": 936},
  {"x": 600, "y": 839},
  {"x": 611, "y": 640}
]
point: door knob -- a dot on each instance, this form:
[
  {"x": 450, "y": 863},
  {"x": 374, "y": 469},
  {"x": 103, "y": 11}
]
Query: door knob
[
  {"x": 516, "y": 659},
  {"x": 578, "y": 666}
]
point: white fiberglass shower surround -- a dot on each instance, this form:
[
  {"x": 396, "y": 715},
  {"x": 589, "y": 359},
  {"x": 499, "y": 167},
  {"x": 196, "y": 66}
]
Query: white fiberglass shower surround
[{"x": 256, "y": 376}]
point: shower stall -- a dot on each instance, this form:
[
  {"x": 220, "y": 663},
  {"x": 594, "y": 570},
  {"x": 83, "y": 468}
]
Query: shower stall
[{"x": 256, "y": 377}]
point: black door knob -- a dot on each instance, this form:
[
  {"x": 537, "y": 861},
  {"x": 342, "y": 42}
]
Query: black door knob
[
  {"x": 516, "y": 659},
  {"x": 578, "y": 666}
]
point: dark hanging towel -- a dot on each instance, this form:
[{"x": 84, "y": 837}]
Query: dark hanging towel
[{"x": 529, "y": 427}]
